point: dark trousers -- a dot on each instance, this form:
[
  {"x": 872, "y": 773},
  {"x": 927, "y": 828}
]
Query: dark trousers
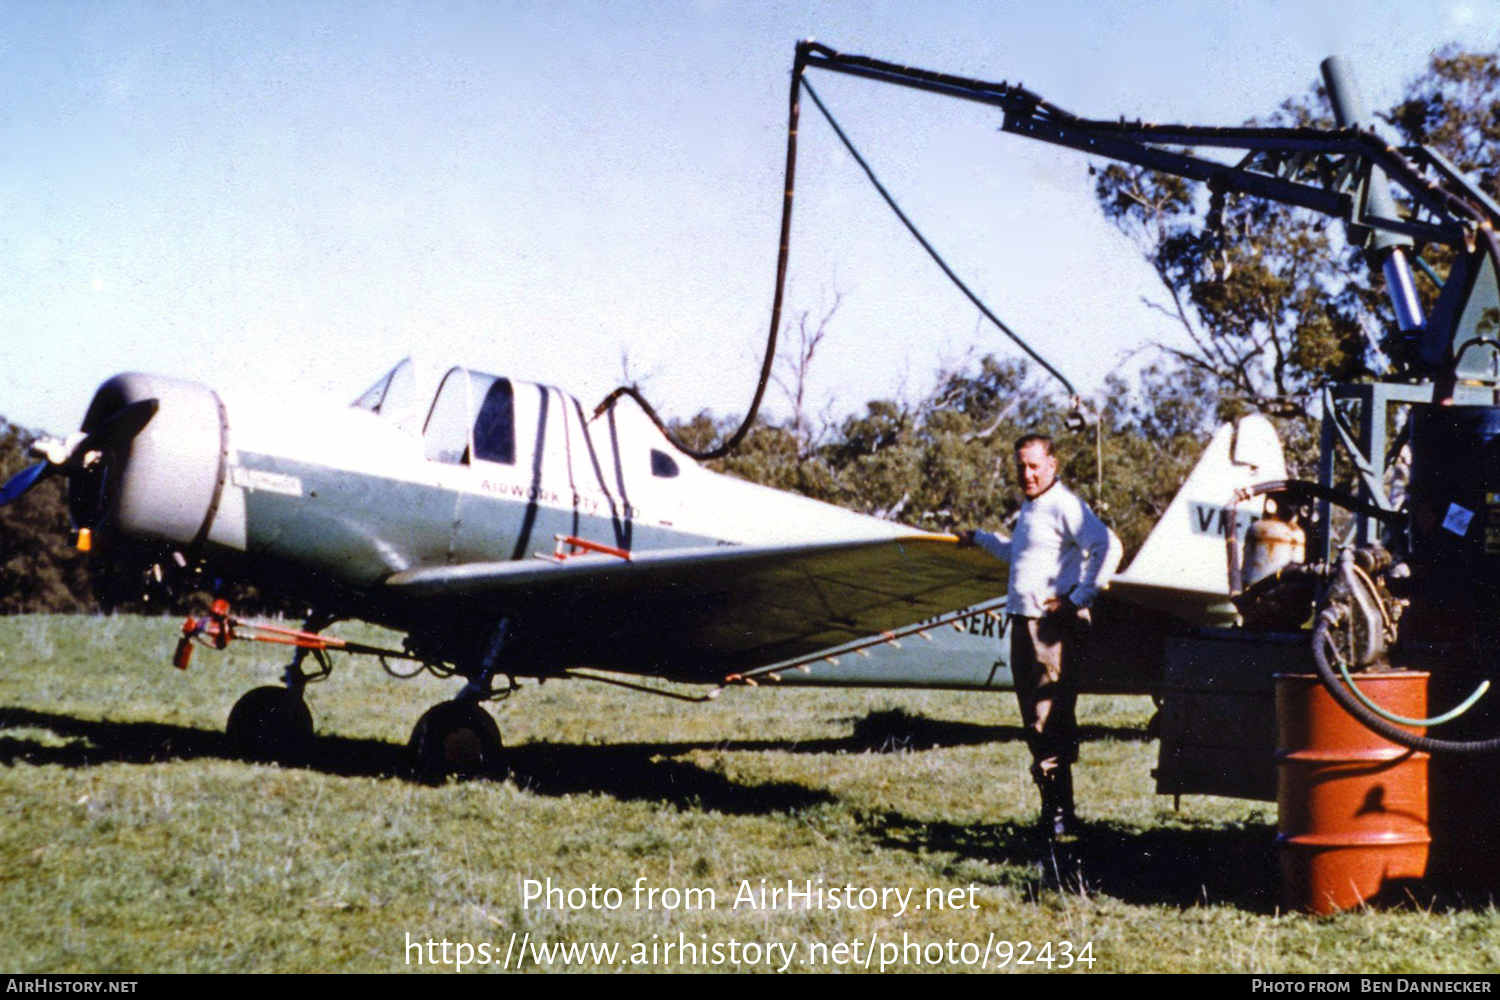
[{"x": 1046, "y": 658}]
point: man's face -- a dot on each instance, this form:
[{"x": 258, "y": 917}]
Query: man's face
[{"x": 1036, "y": 470}]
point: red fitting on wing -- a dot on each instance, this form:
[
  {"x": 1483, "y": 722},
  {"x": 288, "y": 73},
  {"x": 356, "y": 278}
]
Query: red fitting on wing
[{"x": 588, "y": 546}]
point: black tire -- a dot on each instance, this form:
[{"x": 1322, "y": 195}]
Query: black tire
[
  {"x": 270, "y": 723},
  {"x": 458, "y": 739}
]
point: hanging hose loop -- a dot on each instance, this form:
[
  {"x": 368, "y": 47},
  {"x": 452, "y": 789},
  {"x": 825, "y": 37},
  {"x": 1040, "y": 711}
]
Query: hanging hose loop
[
  {"x": 794, "y": 110},
  {"x": 1322, "y": 643},
  {"x": 799, "y": 83}
]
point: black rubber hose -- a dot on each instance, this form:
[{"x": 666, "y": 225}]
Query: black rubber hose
[
  {"x": 1303, "y": 489},
  {"x": 769, "y": 359},
  {"x": 936, "y": 257},
  {"x": 1383, "y": 727},
  {"x": 794, "y": 112}
]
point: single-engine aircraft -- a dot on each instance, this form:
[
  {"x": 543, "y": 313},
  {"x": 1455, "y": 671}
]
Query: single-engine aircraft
[{"x": 508, "y": 534}]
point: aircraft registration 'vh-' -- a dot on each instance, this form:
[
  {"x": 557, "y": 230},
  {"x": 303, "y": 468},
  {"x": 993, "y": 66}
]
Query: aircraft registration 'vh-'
[{"x": 507, "y": 534}]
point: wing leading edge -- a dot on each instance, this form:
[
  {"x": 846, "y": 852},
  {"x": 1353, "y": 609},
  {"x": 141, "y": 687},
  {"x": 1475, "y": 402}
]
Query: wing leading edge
[{"x": 700, "y": 613}]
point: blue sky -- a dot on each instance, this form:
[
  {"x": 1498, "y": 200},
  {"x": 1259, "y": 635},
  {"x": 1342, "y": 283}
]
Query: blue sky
[{"x": 288, "y": 198}]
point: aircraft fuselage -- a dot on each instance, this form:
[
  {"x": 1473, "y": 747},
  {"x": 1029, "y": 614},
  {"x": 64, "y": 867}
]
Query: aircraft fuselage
[{"x": 330, "y": 501}]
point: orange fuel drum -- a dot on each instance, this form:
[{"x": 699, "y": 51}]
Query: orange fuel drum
[{"x": 1352, "y": 804}]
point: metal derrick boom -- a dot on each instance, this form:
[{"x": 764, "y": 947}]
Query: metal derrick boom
[{"x": 1324, "y": 170}]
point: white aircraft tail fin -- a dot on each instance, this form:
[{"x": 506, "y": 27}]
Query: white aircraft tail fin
[{"x": 1183, "y": 566}]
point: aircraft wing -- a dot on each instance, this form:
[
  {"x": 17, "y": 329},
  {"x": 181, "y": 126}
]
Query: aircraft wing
[{"x": 697, "y": 613}]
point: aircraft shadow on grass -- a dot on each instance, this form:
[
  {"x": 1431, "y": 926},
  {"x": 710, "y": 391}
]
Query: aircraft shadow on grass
[
  {"x": 1168, "y": 865},
  {"x": 623, "y": 770},
  {"x": 543, "y": 767}
]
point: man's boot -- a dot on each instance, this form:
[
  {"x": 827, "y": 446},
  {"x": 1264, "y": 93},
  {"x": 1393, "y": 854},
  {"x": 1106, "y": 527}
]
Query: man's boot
[
  {"x": 1056, "y": 787},
  {"x": 1069, "y": 819}
]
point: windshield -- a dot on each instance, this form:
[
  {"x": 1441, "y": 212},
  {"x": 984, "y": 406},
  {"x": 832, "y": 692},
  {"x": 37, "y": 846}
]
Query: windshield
[{"x": 394, "y": 397}]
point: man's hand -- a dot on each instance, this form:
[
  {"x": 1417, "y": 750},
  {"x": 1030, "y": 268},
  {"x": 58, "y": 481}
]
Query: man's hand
[
  {"x": 1063, "y": 607},
  {"x": 965, "y": 538}
]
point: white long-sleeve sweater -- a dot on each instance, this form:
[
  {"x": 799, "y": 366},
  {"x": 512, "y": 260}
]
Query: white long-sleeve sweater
[{"x": 1059, "y": 548}]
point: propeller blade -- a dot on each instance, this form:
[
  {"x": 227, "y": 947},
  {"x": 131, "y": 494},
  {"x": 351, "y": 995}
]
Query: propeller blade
[
  {"x": 23, "y": 481},
  {"x": 120, "y": 427}
]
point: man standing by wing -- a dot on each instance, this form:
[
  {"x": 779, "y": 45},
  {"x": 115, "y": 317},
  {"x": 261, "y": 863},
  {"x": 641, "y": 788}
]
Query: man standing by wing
[{"x": 1061, "y": 556}]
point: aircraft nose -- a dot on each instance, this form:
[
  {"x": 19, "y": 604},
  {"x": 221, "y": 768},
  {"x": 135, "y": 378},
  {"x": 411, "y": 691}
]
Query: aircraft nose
[{"x": 150, "y": 465}]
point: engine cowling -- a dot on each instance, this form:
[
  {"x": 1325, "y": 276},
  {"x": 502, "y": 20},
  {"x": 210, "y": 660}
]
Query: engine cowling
[{"x": 164, "y": 483}]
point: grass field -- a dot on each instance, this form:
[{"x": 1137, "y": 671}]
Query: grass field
[{"x": 134, "y": 839}]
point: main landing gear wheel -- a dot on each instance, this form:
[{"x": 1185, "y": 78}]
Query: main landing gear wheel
[
  {"x": 270, "y": 723},
  {"x": 455, "y": 738}
]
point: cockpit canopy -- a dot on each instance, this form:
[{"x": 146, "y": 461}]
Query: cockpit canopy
[
  {"x": 465, "y": 402},
  {"x": 474, "y": 416}
]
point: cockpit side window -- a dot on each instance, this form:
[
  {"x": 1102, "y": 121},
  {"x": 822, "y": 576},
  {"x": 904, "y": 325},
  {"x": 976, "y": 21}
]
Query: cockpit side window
[
  {"x": 495, "y": 427},
  {"x": 446, "y": 436},
  {"x": 472, "y": 418}
]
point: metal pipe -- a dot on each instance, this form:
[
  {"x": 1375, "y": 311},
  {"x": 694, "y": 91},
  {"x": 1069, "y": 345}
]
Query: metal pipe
[
  {"x": 1402, "y": 286},
  {"x": 1349, "y": 111}
]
